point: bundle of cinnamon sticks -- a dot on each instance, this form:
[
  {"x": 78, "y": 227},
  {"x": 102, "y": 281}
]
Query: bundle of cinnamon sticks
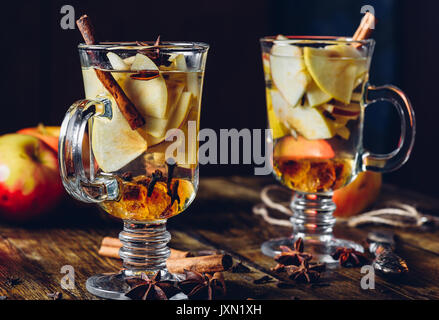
[{"x": 178, "y": 261}]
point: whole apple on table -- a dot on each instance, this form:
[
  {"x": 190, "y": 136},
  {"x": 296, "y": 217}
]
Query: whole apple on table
[{"x": 30, "y": 184}]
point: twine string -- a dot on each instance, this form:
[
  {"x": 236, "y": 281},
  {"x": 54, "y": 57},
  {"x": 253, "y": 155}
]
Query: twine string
[{"x": 394, "y": 214}]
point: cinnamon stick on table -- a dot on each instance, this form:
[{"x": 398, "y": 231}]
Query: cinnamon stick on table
[
  {"x": 178, "y": 260},
  {"x": 126, "y": 107},
  {"x": 203, "y": 264}
]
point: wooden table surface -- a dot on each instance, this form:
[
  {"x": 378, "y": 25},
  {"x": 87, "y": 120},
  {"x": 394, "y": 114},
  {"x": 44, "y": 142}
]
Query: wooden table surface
[{"x": 220, "y": 218}]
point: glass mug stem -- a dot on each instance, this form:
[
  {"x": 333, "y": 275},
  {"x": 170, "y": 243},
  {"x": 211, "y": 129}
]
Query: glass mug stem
[
  {"x": 312, "y": 216},
  {"x": 144, "y": 247}
]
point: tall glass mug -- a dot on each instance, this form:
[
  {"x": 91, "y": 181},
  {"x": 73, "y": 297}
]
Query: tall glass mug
[
  {"x": 142, "y": 176},
  {"x": 317, "y": 91}
]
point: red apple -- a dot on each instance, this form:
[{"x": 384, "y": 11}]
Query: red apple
[
  {"x": 48, "y": 134},
  {"x": 358, "y": 195},
  {"x": 30, "y": 184}
]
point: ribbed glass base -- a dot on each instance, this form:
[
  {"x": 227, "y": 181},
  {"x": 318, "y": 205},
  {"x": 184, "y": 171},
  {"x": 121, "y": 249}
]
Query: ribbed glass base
[
  {"x": 144, "y": 251},
  {"x": 313, "y": 221}
]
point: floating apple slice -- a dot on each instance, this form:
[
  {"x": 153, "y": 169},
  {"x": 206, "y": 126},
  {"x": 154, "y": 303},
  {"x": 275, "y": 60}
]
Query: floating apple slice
[
  {"x": 179, "y": 62},
  {"x": 343, "y": 132},
  {"x": 356, "y": 97},
  {"x": 279, "y": 130},
  {"x": 282, "y": 110},
  {"x": 129, "y": 61},
  {"x": 315, "y": 95},
  {"x": 117, "y": 62},
  {"x": 311, "y": 123},
  {"x": 181, "y": 111},
  {"x": 142, "y": 62},
  {"x": 350, "y": 52},
  {"x": 191, "y": 147},
  {"x": 114, "y": 143},
  {"x": 175, "y": 84},
  {"x": 332, "y": 72},
  {"x": 289, "y": 72},
  {"x": 92, "y": 86},
  {"x": 351, "y": 110},
  {"x": 149, "y": 96},
  {"x": 266, "y": 64},
  {"x": 155, "y": 127}
]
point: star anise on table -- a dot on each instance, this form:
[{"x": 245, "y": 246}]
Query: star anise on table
[
  {"x": 290, "y": 256},
  {"x": 305, "y": 272},
  {"x": 203, "y": 286},
  {"x": 350, "y": 257},
  {"x": 145, "y": 288}
]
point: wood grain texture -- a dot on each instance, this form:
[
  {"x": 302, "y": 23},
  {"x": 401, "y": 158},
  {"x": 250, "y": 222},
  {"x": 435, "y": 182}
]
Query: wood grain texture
[{"x": 36, "y": 253}]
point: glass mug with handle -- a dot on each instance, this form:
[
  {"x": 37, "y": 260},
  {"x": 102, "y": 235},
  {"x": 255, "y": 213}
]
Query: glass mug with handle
[
  {"x": 143, "y": 175},
  {"x": 317, "y": 91}
]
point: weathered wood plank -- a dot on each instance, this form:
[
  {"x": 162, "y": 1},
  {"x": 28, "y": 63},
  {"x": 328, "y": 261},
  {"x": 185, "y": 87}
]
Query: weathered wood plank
[{"x": 244, "y": 233}]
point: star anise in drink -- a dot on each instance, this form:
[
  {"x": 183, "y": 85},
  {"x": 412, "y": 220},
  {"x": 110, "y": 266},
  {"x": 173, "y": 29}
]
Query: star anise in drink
[
  {"x": 145, "y": 288},
  {"x": 203, "y": 286},
  {"x": 349, "y": 257},
  {"x": 305, "y": 272},
  {"x": 290, "y": 256}
]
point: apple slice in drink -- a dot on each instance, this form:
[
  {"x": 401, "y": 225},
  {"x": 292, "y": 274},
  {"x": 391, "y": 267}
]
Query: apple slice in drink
[
  {"x": 129, "y": 61},
  {"x": 352, "y": 53},
  {"x": 332, "y": 72},
  {"x": 179, "y": 62},
  {"x": 343, "y": 132},
  {"x": 175, "y": 85},
  {"x": 114, "y": 143},
  {"x": 315, "y": 95},
  {"x": 157, "y": 127},
  {"x": 191, "y": 146},
  {"x": 178, "y": 120},
  {"x": 352, "y": 110},
  {"x": 181, "y": 111},
  {"x": 149, "y": 96},
  {"x": 311, "y": 123},
  {"x": 289, "y": 73},
  {"x": 117, "y": 62},
  {"x": 279, "y": 130},
  {"x": 282, "y": 111}
]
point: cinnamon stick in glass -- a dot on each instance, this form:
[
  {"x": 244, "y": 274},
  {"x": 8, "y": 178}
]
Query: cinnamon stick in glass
[
  {"x": 126, "y": 107},
  {"x": 365, "y": 29}
]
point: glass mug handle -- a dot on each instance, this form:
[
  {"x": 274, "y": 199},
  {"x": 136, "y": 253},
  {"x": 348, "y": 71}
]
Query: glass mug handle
[
  {"x": 80, "y": 185},
  {"x": 395, "y": 159}
]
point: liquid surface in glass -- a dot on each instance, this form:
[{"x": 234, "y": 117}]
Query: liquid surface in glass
[{"x": 152, "y": 187}]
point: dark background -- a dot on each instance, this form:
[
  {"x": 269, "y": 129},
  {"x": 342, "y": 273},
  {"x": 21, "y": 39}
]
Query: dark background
[{"x": 41, "y": 74}]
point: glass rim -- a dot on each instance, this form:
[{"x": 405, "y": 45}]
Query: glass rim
[
  {"x": 314, "y": 39},
  {"x": 135, "y": 46}
]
